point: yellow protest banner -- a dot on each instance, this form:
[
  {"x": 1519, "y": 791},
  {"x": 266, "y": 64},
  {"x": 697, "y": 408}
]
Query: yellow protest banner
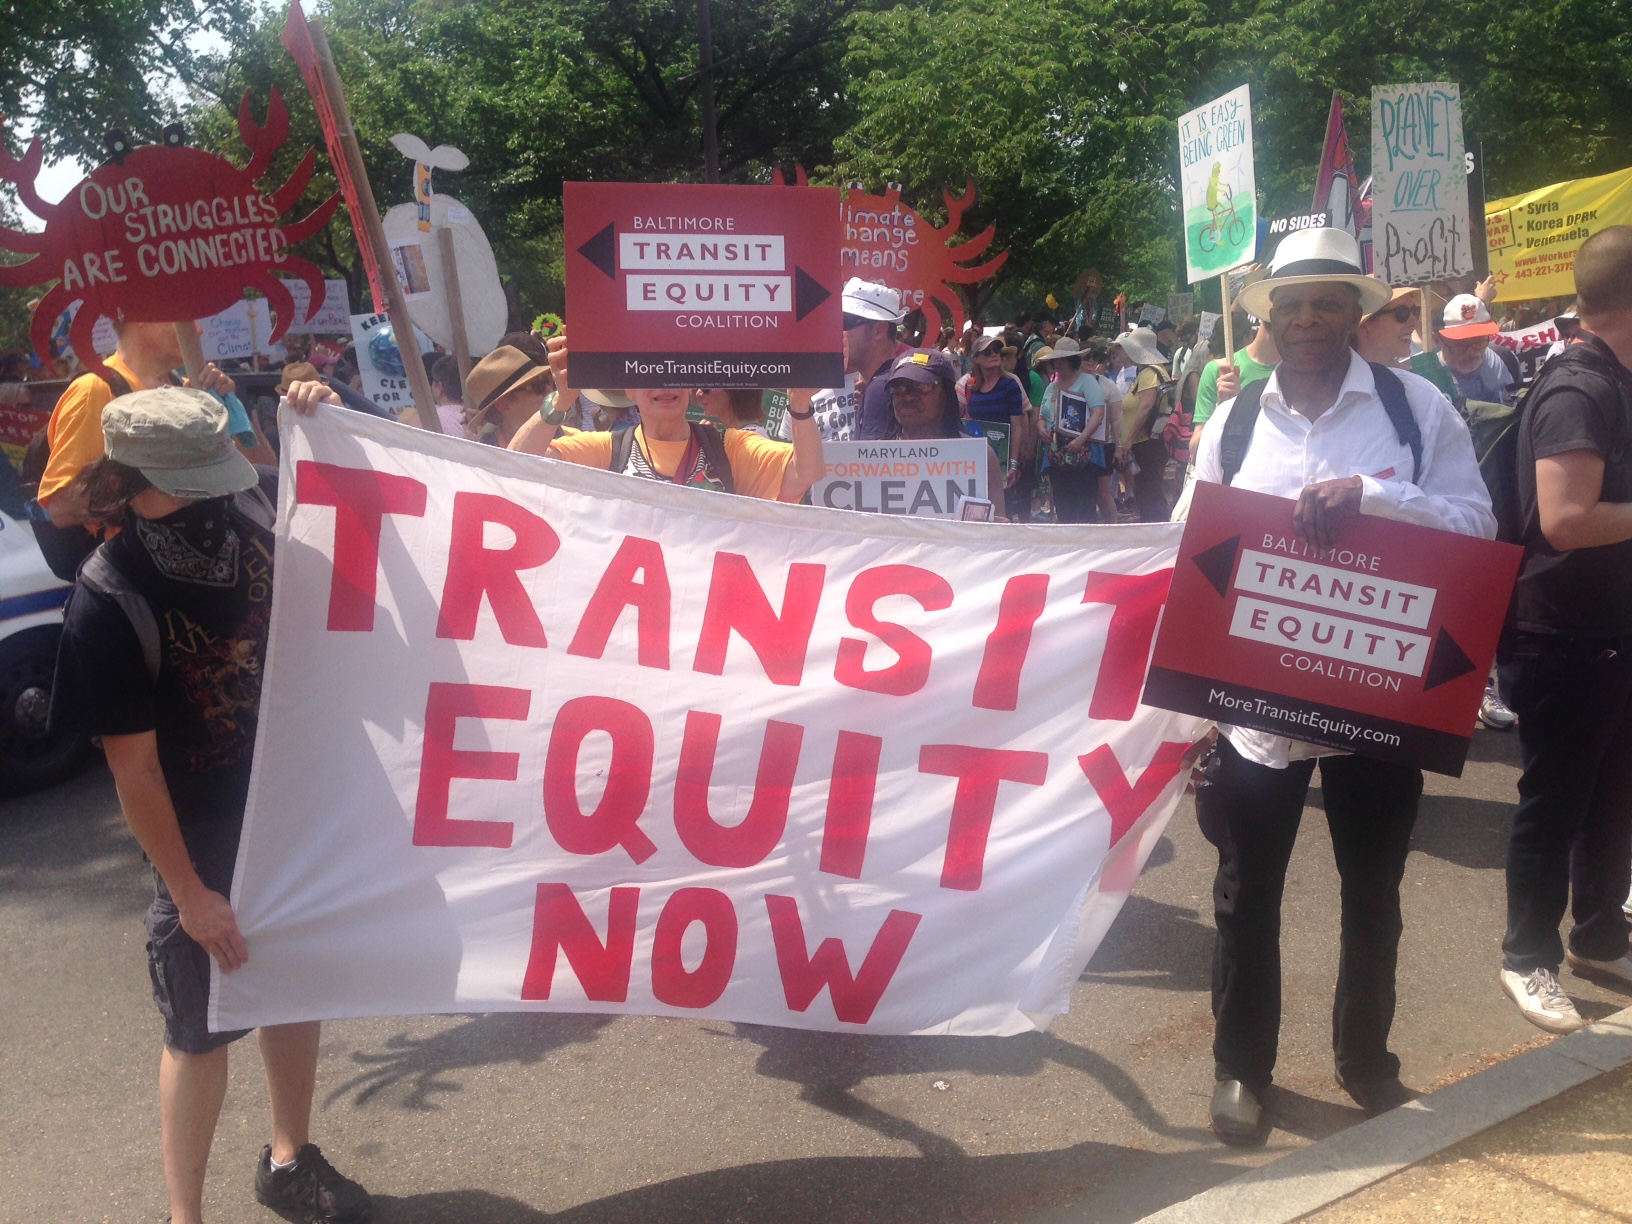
[{"x": 1534, "y": 237}]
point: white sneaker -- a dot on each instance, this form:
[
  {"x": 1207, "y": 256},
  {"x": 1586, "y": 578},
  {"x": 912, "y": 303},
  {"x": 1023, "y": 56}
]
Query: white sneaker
[
  {"x": 1493, "y": 711},
  {"x": 1620, "y": 970},
  {"x": 1542, "y": 1000}
]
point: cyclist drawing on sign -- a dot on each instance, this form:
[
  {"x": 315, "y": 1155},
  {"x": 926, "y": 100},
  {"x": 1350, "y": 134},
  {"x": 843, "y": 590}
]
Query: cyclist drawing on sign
[{"x": 1225, "y": 224}]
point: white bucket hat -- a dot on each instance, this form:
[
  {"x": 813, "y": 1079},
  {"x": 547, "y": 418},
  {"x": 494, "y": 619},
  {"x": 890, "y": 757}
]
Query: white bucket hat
[
  {"x": 1311, "y": 256},
  {"x": 869, "y": 300},
  {"x": 1139, "y": 343}
]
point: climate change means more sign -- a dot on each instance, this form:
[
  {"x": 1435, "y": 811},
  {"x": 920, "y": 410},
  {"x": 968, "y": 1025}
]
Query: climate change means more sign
[{"x": 703, "y": 286}]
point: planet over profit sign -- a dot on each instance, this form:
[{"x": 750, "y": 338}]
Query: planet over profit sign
[{"x": 703, "y": 286}]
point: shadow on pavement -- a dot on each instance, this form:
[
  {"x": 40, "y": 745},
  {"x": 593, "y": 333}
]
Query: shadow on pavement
[
  {"x": 1467, "y": 832},
  {"x": 856, "y": 1190},
  {"x": 1156, "y": 945},
  {"x": 828, "y": 1067},
  {"x": 420, "y": 1064},
  {"x": 70, "y": 846}
]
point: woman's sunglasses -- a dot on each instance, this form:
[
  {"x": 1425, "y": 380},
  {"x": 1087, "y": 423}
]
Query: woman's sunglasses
[{"x": 1404, "y": 314}]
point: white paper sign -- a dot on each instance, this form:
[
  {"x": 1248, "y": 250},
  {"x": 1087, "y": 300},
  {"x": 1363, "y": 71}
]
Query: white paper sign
[
  {"x": 1419, "y": 195},
  {"x": 927, "y": 479},
  {"x": 1216, "y": 178},
  {"x": 333, "y": 317},
  {"x": 227, "y": 336},
  {"x": 536, "y": 736},
  {"x": 379, "y": 361}
]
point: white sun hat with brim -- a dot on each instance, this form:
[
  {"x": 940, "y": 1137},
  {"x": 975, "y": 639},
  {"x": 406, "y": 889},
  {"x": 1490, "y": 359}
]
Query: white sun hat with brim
[
  {"x": 1139, "y": 343},
  {"x": 1315, "y": 256},
  {"x": 872, "y": 301},
  {"x": 1064, "y": 347}
]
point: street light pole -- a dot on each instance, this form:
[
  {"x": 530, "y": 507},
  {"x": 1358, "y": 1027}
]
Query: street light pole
[{"x": 711, "y": 146}]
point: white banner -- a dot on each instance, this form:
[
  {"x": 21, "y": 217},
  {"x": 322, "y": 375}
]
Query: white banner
[
  {"x": 927, "y": 478},
  {"x": 1542, "y": 335},
  {"x": 536, "y": 736},
  {"x": 1419, "y": 194}
]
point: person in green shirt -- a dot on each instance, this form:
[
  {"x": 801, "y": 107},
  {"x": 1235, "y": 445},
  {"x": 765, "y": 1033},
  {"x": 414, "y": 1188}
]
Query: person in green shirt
[{"x": 1223, "y": 380}]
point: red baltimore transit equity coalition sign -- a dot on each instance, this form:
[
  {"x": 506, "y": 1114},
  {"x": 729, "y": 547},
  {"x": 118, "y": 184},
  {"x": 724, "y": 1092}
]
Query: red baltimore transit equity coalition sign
[
  {"x": 165, "y": 233},
  {"x": 686, "y": 285},
  {"x": 1380, "y": 646}
]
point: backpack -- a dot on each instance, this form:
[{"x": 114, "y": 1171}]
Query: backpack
[
  {"x": 98, "y": 573},
  {"x": 1494, "y": 429},
  {"x": 1243, "y": 416},
  {"x": 63, "y": 548},
  {"x": 708, "y": 438}
]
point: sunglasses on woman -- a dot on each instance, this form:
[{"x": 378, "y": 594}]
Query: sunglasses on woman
[{"x": 1404, "y": 314}]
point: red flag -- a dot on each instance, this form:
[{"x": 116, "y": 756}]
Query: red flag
[
  {"x": 1335, "y": 186},
  {"x": 297, "y": 40}
]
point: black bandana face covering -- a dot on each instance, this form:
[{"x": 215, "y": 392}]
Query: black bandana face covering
[{"x": 196, "y": 544}]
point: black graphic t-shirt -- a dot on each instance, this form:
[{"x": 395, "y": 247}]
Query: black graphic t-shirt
[{"x": 206, "y": 572}]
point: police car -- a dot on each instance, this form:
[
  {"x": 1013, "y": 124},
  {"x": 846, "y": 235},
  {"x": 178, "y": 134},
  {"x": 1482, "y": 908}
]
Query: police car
[{"x": 31, "y": 602}]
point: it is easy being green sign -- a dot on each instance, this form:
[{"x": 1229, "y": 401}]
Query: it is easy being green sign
[{"x": 1216, "y": 177}]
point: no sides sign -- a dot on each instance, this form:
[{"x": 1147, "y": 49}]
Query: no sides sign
[
  {"x": 1380, "y": 646},
  {"x": 686, "y": 285}
]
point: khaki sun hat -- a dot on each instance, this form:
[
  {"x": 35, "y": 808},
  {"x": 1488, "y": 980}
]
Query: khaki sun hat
[
  {"x": 297, "y": 371},
  {"x": 176, "y": 437}
]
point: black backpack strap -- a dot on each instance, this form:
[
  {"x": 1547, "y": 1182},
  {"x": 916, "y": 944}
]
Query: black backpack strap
[
  {"x": 116, "y": 382},
  {"x": 623, "y": 445},
  {"x": 1392, "y": 392},
  {"x": 713, "y": 443},
  {"x": 1237, "y": 435},
  {"x": 102, "y": 576}
]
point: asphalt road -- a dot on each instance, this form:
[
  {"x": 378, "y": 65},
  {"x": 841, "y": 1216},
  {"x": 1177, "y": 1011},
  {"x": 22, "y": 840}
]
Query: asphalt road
[{"x": 524, "y": 1118}]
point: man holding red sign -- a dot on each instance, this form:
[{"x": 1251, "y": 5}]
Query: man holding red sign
[{"x": 1342, "y": 437}]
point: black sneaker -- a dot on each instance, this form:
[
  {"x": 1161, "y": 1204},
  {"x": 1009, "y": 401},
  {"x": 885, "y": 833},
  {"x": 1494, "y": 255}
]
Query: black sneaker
[{"x": 310, "y": 1191}]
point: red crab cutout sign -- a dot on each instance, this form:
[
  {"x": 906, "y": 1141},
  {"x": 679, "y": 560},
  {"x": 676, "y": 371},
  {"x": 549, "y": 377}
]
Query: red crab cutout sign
[
  {"x": 887, "y": 242},
  {"x": 164, "y": 234}
]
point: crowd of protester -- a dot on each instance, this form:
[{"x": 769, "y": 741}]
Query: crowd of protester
[{"x": 156, "y": 493}]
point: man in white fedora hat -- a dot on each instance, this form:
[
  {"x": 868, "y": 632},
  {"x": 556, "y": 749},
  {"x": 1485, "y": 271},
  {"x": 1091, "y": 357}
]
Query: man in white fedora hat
[{"x": 1342, "y": 437}]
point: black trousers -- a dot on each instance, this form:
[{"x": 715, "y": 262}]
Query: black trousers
[
  {"x": 1076, "y": 492},
  {"x": 1149, "y": 493},
  {"x": 1572, "y": 831},
  {"x": 1251, "y": 813}
]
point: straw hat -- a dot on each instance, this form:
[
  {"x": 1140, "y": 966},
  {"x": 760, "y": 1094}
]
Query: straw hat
[{"x": 1315, "y": 256}]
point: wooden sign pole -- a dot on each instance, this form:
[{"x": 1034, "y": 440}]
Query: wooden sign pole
[
  {"x": 456, "y": 302},
  {"x": 192, "y": 352},
  {"x": 1229, "y": 327},
  {"x": 372, "y": 232}
]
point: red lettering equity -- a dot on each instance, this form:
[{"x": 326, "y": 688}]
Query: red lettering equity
[
  {"x": 979, "y": 772},
  {"x": 850, "y": 803},
  {"x": 361, "y": 499},
  {"x": 737, "y": 602},
  {"x": 441, "y": 762},
  {"x": 672, "y": 983},
  {"x": 747, "y": 843},
  {"x": 474, "y": 570},
  {"x": 619, "y": 590},
  {"x": 910, "y": 672},
  {"x": 628, "y": 778},
  {"x": 559, "y": 922},
  {"x": 1127, "y": 803},
  {"x": 997, "y": 687},
  {"x": 1138, "y": 600},
  {"x": 804, "y": 975}
]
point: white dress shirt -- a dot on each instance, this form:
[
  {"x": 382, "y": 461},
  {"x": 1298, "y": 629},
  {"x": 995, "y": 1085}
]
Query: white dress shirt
[{"x": 1354, "y": 437}]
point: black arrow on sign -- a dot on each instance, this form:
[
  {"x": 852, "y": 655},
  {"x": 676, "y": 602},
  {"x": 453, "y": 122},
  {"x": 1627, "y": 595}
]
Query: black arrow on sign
[
  {"x": 1450, "y": 662},
  {"x": 807, "y": 294},
  {"x": 602, "y": 251},
  {"x": 1218, "y": 563}
]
